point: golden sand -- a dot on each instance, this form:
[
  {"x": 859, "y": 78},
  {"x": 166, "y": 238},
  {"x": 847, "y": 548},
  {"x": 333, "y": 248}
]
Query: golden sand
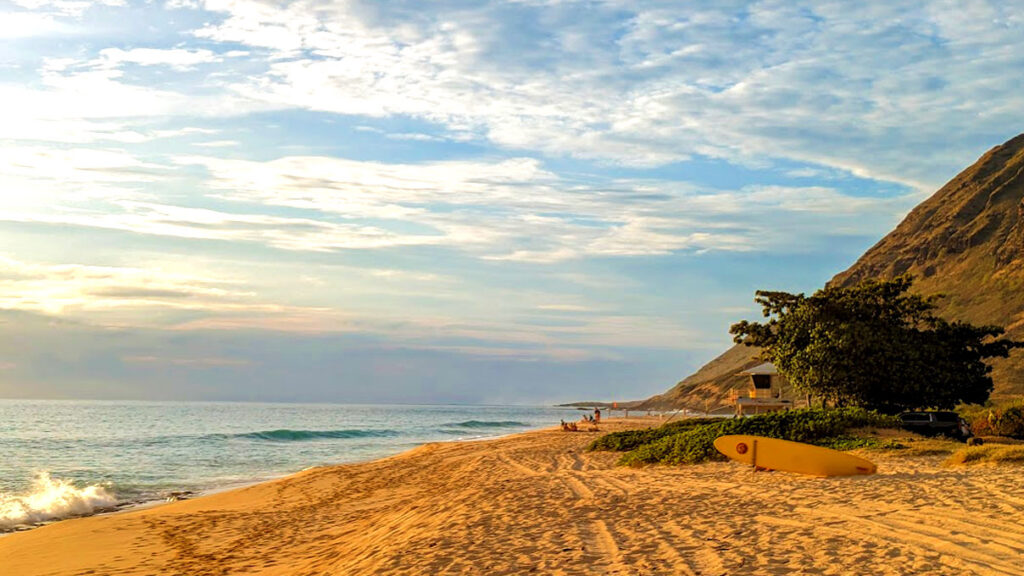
[{"x": 536, "y": 503}]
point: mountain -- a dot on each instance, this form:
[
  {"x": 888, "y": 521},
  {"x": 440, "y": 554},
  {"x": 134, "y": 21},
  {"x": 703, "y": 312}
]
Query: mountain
[
  {"x": 710, "y": 386},
  {"x": 966, "y": 242}
]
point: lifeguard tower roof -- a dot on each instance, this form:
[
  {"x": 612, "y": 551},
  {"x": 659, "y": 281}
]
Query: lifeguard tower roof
[{"x": 767, "y": 369}]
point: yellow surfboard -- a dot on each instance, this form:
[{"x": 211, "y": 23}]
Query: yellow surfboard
[{"x": 775, "y": 454}]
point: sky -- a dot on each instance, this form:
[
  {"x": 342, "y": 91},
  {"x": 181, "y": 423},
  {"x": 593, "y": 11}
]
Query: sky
[{"x": 473, "y": 202}]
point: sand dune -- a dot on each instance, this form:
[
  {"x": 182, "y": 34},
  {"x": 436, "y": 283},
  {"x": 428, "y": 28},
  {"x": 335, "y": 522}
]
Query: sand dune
[{"x": 535, "y": 503}]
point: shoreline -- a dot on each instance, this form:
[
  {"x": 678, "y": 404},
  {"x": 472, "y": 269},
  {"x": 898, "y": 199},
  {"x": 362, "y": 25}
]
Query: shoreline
[
  {"x": 536, "y": 502},
  {"x": 126, "y": 506}
]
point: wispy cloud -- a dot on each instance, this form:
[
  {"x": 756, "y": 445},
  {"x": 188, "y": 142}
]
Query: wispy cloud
[
  {"x": 648, "y": 84},
  {"x": 61, "y": 288},
  {"x": 539, "y": 180},
  {"x": 73, "y": 8},
  {"x": 511, "y": 210},
  {"x": 176, "y": 58},
  {"x": 641, "y": 84},
  {"x": 516, "y": 210},
  {"x": 213, "y": 362}
]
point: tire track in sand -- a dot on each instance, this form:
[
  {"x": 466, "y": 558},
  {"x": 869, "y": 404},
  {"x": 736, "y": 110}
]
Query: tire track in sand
[
  {"x": 599, "y": 541},
  {"x": 579, "y": 489},
  {"x": 667, "y": 544},
  {"x": 706, "y": 557},
  {"x": 521, "y": 468},
  {"x": 1002, "y": 534},
  {"x": 950, "y": 553},
  {"x": 601, "y": 484}
]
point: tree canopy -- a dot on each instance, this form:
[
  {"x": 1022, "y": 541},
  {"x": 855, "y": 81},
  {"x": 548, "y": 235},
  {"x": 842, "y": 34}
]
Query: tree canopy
[{"x": 876, "y": 345}]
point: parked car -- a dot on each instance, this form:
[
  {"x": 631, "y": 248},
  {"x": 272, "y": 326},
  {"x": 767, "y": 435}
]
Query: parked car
[{"x": 932, "y": 423}]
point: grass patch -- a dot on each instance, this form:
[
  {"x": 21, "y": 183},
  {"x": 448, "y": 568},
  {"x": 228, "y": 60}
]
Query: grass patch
[
  {"x": 1000, "y": 440},
  {"x": 997, "y": 454},
  {"x": 814, "y": 426},
  {"x": 925, "y": 446}
]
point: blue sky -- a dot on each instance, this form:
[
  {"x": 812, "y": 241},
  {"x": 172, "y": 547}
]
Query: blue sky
[{"x": 523, "y": 201}]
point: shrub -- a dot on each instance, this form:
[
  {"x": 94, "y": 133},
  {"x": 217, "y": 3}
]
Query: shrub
[
  {"x": 847, "y": 442},
  {"x": 809, "y": 425},
  {"x": 1000, "y": 422},
  {"x": 629, "y": 439}
]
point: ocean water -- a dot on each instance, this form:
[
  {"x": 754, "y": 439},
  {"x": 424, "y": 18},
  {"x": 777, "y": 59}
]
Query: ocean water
[{"x": 65, "y": 458}]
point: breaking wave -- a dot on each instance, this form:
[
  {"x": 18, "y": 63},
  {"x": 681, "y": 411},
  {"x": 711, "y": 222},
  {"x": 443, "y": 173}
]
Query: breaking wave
[
  {"x": 286, "y": 435},
  {"x": 50, "y": 499},
  {"x": 488, "y": 424}
]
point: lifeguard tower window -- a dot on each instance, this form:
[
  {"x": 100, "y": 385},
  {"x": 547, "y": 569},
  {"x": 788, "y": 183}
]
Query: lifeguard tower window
[{"x": 762, "y": 381}]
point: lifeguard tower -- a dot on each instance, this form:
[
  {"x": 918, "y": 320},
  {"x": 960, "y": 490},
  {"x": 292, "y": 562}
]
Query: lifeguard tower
[{"x": 765, "y": 393}]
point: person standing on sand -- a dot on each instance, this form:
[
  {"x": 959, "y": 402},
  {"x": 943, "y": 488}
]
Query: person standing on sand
[{"x": 597, "y": 414}]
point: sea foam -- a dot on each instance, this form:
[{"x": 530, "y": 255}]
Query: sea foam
[{"x": 50, "y": 499}]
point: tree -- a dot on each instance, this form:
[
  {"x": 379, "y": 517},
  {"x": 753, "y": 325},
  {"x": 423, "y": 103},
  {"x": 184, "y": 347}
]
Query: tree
[{"x": 875, "y": 345}]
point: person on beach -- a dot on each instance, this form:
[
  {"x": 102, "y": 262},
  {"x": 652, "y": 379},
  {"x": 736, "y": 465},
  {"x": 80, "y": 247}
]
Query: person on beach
[{"x": 597, "y": 414}]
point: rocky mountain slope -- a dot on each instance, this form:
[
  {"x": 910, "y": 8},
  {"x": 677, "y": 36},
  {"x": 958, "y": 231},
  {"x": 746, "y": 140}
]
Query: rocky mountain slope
[{"x": 966, "y": 241}]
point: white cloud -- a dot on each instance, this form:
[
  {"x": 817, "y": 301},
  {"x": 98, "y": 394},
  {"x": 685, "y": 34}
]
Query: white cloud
[
  {"x": 218, "y": 144},
  {"x": 97, "y": 129},
  {"x": 628, "y": 83},
  {"x": 397, "y": 275},
  {"x": 177, "y": 297},
  {"x": 73, "y": 8},
  {"x": 564, "y": 307},
  {"x": 70, "y": 288},
  {"x": 200, "y": 223},
  {"x": 16, "y": 25},
  {"x": 358, "y": 189},
  {"x": 473, "y": 205},
  {"x": 505, "y": 209},
  {"x": 81, "y": 96},
  {"x": 177, "y": 58},
  {"x": 181, "y": 4},
  {"x": 39, "y": 179},
  {"x": 516, "y": 210},
  {"x": 209, "y": 362},
  {"x": 75, "y": 165},
  {"x": 779, "y": 81}
]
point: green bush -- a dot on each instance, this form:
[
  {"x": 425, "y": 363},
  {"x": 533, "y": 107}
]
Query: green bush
[
  {"x": 813, "y": 426},
  {"x": 631, "y": 439},
  {"x": 847, "y": 442}
]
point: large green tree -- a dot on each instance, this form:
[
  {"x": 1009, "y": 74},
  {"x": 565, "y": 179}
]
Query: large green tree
[{"x": 876, "y": 345}]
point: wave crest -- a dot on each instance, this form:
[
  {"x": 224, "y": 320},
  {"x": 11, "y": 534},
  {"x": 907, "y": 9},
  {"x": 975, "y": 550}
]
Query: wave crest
[
  {"x": 285, "y": 435},
  {"x": 50, "y": 499},
  {"x": 488, "y": 424}
]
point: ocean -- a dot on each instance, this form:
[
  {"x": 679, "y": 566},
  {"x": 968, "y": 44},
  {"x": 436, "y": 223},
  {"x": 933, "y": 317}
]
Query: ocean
[{"x": 69, "y": 458}]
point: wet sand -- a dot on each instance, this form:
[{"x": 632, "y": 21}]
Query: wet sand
[{"x": 536, "y": 503}]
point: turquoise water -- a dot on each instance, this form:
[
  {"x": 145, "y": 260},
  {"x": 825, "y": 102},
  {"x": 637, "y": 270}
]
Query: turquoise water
[{"x": 60, "y": 458}]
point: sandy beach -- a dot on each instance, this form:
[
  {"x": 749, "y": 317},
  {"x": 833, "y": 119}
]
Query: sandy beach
[{"x": 537, "y": 503}]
